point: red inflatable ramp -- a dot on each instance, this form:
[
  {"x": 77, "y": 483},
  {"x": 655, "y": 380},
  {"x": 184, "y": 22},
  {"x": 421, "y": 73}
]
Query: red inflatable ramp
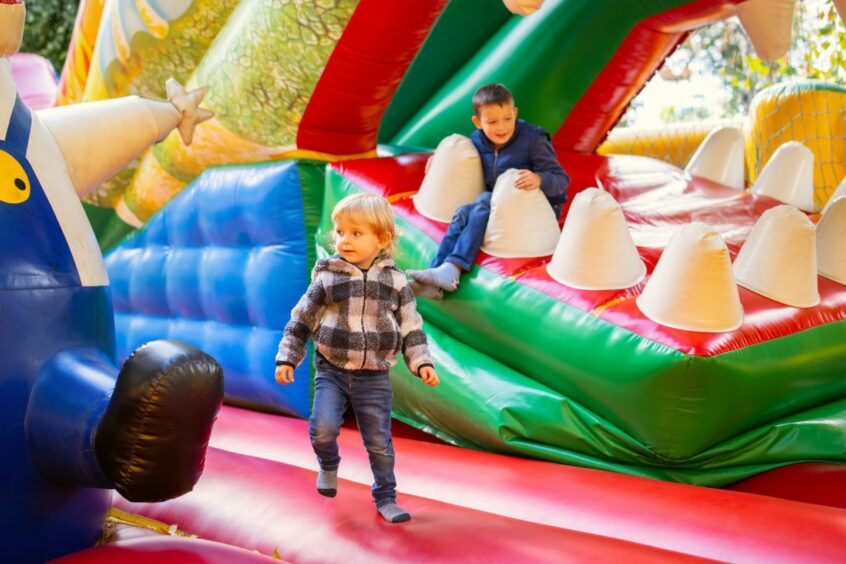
[
  {"x": 268, "y": 506},
  {"x": 810, "y": 482},
  {"x": 165, "y": 550},
  {"x": 705, "y": 522}
]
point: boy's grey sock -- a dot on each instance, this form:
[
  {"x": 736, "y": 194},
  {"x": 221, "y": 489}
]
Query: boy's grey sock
[
  {"x": 444, "y": 276},
  {"x": 393, "y": 513},
  {"x": 327, "y": 482},
  {"x": 426, "y": 291}
]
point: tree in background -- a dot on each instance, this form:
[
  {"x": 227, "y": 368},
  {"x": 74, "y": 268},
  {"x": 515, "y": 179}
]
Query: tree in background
[
  {"x": 817, "y": 53},
  {"x": 49, "y": 26},
  {"x": 723, "y": 50}
]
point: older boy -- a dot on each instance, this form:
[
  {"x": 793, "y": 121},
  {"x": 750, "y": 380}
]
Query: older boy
[{"x": 503, "y": 142}]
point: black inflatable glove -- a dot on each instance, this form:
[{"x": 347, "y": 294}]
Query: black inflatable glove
[{"x": 152, "y": 439}]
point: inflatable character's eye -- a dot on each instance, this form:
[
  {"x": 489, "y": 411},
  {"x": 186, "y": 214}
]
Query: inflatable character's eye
[{"x": 14, "y": 182}]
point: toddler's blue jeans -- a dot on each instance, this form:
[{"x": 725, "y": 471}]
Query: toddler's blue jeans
[{"x": 369, "y": 393}]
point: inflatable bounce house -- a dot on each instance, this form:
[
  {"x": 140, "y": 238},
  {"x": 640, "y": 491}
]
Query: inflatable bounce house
[{"x": 656, "y": 374}]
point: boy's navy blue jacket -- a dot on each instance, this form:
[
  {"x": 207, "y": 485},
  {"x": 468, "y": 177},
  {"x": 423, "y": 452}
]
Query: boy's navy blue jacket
[{"x": 529, "y": 148}]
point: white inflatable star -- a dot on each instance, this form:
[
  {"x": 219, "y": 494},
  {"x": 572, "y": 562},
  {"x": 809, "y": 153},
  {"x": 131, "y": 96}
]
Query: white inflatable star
[{"x": 188, "y": 104}]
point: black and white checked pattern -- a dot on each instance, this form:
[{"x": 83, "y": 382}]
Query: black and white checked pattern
[{"x": 359, "y": 321}]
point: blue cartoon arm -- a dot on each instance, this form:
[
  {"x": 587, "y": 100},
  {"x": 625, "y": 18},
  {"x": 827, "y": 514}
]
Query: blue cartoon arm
[{"x": 142, "y": 431}]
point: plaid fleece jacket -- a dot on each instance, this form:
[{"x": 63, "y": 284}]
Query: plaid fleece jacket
[{"x": 359, "y": 321}]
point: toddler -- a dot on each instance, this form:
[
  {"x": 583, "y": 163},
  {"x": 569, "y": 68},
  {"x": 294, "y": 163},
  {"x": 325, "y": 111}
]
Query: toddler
[{"x": 360, "y": 311}]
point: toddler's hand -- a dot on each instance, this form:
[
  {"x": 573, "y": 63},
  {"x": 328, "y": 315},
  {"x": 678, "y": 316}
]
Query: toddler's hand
[
  {"x": 429, "y": 163},
  {"x": 527, "y": 180},
  {"x": 429, "y": 376},
  {"x": 284, "y": 374}
]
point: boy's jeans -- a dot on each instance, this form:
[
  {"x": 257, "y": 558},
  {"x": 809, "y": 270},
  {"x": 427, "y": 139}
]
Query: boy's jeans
[
  {"x": 465, "y": 234},
  {"x": 370, "y": 396}
]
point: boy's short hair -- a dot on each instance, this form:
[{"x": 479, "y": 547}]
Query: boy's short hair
[
  {"x": 373, "y": 210},
  {"x": 493, "y": 93}
]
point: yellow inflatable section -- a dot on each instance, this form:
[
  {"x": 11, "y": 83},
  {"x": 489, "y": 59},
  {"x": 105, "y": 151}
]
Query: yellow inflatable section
[
  {"x": 259, "y": 59},
  {"x": 136, "y": 46},
  {"x": 809, "y": 112},
  {"x": 673, "y": 143},
  {"x": 80, "y": 52},
  {"x": 812, "y": 113}
]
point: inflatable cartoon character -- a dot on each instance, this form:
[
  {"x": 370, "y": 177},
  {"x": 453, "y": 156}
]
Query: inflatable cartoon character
[{"x": 71, "y": 427}]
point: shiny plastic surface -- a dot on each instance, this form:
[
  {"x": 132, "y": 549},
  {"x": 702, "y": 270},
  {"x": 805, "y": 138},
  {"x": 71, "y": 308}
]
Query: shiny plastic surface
[
  {"x": 699, "y": 521},
  {"x": 44, "y": 309},
  {"x": 811, "y": 482},
  {"x": 165, "y": 550},
  {"x": 573, "y": 67},
  {"x": 153, "y": 435},
  {"x": 379, "y": 43},
  {"x": 36, "y": 325},
  {"x": 221, "y": 268},
  {"x": 447, "y": 48},
  {"x": 696, "y": 407},
  {"x": 58, "y": 424},
  {"x": 269, "y": 506}
]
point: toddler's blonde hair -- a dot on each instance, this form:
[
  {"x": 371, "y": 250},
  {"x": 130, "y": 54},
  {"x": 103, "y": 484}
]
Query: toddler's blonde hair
[{"x": 373, "y": 210}]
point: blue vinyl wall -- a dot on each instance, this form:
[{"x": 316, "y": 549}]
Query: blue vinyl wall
[{"x": 221, "y": 267}]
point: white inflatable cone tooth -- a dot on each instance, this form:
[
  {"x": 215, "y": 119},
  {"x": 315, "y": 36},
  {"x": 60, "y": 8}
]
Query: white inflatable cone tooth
[
  {"x": 692, "y": 287},
  {"x": 779, "y": 258},
  {"x": 596, "y": 250},
  {"x": 522, "y": 222},
  {"x": 831, "y": 242},
  {"x": 720, "y": 158},
  {"x": 454, "y": 178},
  {"x": 840, "y": 191},
  {"x": 769, "y": 26},
  {"x": 789, "y": 177}
]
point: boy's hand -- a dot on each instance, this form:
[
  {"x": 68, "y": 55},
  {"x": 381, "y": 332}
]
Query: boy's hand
[
  {"x": 527, "y": 180},
  {"x": 284, "y": 374},
  {"x": 429, "y": 162},
  {"x": 429, "y": 376}
]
